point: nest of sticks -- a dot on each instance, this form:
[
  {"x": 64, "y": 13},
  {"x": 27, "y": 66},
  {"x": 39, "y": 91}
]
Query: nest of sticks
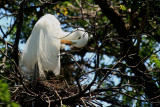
[{"x": 46, "y": 93}]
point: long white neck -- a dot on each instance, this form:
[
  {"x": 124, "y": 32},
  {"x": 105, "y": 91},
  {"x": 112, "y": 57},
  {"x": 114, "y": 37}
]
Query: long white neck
[{"x": 70, "y": 36}]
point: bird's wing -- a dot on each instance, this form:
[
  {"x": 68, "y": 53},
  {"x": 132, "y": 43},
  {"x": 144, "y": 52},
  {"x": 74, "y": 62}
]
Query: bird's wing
[{"x": 43, "y": 46}]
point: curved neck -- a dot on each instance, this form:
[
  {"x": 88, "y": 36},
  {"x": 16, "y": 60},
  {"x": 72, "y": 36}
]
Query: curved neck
[{"x": 70, "y": 36}]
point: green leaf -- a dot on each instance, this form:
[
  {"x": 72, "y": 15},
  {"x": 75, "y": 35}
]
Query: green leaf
[
  {"x": 13, "y": 104},
  {"x": 64, "y": 106},
  {"x": 4, "y": 93},
  {"x": 155, "y": 60},
  {"x": 123, "y": 8}
]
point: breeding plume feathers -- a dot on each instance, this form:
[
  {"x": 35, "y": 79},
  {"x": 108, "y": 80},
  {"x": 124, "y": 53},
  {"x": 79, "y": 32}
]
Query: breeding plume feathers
[{"x": 43, "y": 45}]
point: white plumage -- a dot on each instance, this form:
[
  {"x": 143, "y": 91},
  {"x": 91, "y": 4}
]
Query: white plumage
[{"x": 43, "y": 45}]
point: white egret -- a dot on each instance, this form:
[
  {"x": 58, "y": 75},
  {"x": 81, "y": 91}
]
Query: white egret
[{"x": 43, "y": 46}]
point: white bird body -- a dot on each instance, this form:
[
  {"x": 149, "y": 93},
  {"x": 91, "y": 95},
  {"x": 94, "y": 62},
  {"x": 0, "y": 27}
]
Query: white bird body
[{"x": 43, "y": 45}]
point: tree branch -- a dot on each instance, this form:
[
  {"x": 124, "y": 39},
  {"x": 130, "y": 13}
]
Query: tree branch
[
  {"x": 113, "y": 16},
  {"x": 127, "y": 48},
  {"x": 18, "y": 32}
]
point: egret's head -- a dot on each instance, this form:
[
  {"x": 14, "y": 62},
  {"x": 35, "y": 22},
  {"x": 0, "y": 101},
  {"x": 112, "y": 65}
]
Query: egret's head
[
  {"x": 82, "y": 38},
  {"x": 77, "y": 38}
]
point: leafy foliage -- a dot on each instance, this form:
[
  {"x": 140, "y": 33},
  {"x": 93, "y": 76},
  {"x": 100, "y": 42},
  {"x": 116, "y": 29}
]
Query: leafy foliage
[{"x": 5, "y": 97}]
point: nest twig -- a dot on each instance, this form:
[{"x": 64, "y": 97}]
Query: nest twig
[{"x": 47, "y": 92}]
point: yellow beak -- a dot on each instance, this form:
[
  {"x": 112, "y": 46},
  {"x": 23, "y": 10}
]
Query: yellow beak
[{"x": 66, "y": 42}]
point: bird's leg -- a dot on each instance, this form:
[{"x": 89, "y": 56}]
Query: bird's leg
[{"x": 66, "y": 42}]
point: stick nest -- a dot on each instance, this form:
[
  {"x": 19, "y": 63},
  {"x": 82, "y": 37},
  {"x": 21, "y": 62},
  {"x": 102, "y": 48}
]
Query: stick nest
[{"x": 46, "y": 93}]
